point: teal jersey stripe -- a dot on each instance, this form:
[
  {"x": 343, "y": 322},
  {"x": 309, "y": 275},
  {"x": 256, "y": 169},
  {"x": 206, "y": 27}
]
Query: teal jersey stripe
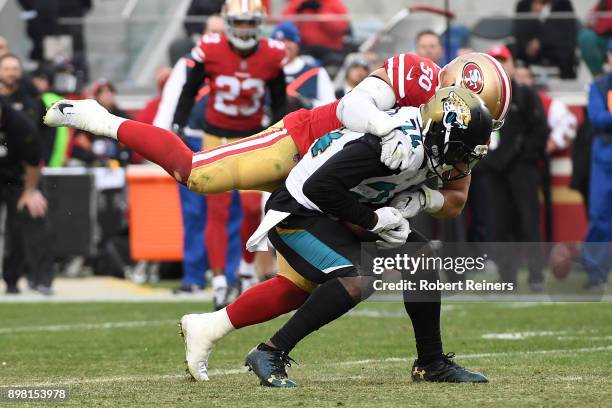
[{"x": 314, "y": 251}]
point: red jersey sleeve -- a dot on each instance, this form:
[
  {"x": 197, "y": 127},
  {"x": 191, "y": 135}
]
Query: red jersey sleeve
[
  {"x": 414, "y": 79},
  {"x": 205, "y": 45}
]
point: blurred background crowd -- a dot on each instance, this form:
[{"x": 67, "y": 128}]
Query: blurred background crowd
[{"x": 76, "y": 204}]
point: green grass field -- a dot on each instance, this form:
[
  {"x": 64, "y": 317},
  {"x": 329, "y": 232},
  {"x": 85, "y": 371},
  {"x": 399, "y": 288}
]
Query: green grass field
[{"x": 129, "y": 354}]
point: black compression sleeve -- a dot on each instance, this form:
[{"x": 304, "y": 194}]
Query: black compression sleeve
[
  {"x": 329, "y": 186},
  {"x": 278, "y": 96},
  {"x": 195, "y": 77}
]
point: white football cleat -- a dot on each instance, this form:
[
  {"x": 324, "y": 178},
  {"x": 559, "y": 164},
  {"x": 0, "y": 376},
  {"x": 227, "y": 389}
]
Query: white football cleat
[
  {"x": 87, "y": 115},
  {"x": 200, "y": 333}
]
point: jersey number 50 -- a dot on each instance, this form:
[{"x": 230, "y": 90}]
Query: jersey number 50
[
  {"x": 228, "y": 91},
  {"x": 426, "y": 77}
]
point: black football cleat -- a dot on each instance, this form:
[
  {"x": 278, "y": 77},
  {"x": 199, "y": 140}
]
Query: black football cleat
[
  {"x": 269, "y": 365},
  {"x": 445, "y": 370}
]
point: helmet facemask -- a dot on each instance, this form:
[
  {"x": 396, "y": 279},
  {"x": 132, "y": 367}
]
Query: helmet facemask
[
  {"x": 243, "y": 31},
  {"x": 449, "y": 157}
]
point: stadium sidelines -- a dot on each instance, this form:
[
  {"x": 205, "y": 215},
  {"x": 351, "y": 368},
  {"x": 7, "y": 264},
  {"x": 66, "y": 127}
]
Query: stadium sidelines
[{"x": 136, "y": 378}]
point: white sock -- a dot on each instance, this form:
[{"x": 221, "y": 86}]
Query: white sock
[
  {"x": 114, "y": 122},
  {"x": 219, "y": 284},
  {"x": 221, "y": 324}
]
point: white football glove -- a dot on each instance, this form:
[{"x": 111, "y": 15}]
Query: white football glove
[
  {"x": 410, "y": 204},
  {"x": 391, "y": 227},
  {"x": 394, "y": 238},
  {"x": 388, "y": 219},
  {"x": 398, "y": 152}
]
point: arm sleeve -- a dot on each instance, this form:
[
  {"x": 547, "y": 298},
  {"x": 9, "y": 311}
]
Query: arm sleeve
[
  {"x": 599, "y": 115},
  {"x": 363, "y": 107},
  {"x": 329, "y": 186},
  {"x": 170, "y": 95},
  {"x": 194, "y": 80},
  {"x": 278, "y": 96}
]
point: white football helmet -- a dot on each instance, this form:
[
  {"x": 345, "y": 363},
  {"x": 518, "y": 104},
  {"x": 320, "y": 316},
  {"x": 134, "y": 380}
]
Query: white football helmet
[{"x": 243, "y": 20}]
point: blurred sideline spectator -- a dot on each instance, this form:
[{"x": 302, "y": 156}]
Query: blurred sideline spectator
[
  {"x": 193, "y": 206},
  {"x": 42, "y": 22},
  {"x": 593, "y": 39},
  {"x": 20, "y": 96},
  {"x": 95, "y": 150},
  {"x": 545, "y": 39},
  {"x": 199, "y": 8},
  {"x": 27, "y": 230},
  {"x": 511, "y": 168},
  {"x": 308, "y": 84},
  {"x": 76, "y": 9},
  {"x": 581, "y": 160},
  {"x": 324, "y": 40},
  {"x": 357, "y": 69},
  {"x": 148, "y": 113},
  {"x": 429, "y": 45},
  {"x": 454, "y": 42},
  {"x": 41, "y": 18},
  {"x": 54, "y": 142},
  {"x": 597, "y": 257},
  {"x": 561, "y": 121},
  {"x": 562, "y": 132}
]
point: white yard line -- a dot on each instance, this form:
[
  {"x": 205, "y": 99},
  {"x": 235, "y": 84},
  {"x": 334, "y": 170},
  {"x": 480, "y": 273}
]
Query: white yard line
[
  {"x": 213, "y": 373},
  {"x": 143, "y": 323},
  {"x": 85, "y": 326},
  {"x": 520, "y": 335}
]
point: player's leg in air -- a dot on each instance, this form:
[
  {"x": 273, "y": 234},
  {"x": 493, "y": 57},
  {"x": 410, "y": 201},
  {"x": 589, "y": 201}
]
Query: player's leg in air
[{"x": 259, "y": 162}]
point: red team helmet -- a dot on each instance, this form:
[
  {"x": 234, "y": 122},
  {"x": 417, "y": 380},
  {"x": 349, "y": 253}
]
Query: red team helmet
[
  {"x": 483, "y": 75},
  {"x": 243, "y": 20}
]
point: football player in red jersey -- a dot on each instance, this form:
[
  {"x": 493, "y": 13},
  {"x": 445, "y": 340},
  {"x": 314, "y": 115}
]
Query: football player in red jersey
[
  {"x": 240, "y": 68},
  {"x": 264, "y": 160}
]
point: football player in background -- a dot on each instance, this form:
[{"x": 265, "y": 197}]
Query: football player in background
[
  {"x": 341, "y": 176},
  {"x": 240, "y": 68},
  {"x": 193, "y": 206}
]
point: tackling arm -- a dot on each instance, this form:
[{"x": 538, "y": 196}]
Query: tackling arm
[
  {"x": 454, "y": 194},
  {"x": 361, "y": 110}
]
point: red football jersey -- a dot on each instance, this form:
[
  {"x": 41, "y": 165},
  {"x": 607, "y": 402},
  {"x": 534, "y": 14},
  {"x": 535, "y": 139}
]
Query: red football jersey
[
  {"x": 237, "y": 84},
  {"x": 414, "y": 79}
]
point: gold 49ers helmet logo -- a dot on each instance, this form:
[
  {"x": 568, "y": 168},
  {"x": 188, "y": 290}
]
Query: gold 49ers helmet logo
[
  {"x": 456, "y": 112},
  {"x": 472, "y": 77}
]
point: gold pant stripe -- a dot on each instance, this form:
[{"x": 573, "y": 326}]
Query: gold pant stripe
[
  {"x": 262, "y": 168},
  {"x": 286, "y": 271}
]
